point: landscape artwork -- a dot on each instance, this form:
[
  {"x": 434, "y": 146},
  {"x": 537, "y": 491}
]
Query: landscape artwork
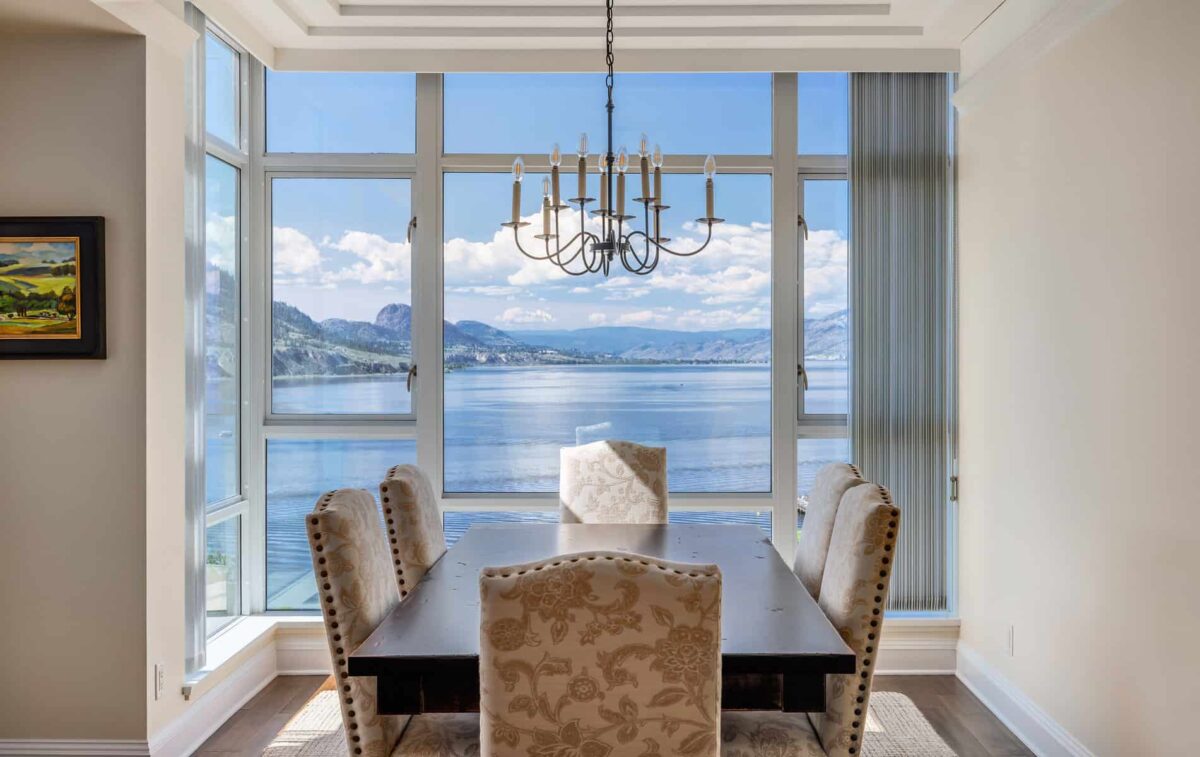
[
  {"x": 39, "y": 288},
  {"x": 52, "y": 287}
]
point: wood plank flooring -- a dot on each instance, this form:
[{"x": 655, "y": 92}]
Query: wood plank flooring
[{"x": 961, "y": 719}]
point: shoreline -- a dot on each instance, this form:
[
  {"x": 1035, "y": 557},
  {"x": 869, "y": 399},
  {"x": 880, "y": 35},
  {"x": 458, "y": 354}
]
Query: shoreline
[{"x": 454, "y": 369}]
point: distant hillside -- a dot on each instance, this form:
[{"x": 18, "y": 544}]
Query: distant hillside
[{"x": 339, "y": 347}]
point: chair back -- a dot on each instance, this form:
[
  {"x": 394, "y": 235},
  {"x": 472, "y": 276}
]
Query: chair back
[
  {"x": 354, "y": 582},
  {"x": 613, "y": 482},
  {"x": 414, "y": 524},
  {"x": 854, "y": 591},
  {"x": 598, "y": 653},
  {"x": 812, "y": 546}
]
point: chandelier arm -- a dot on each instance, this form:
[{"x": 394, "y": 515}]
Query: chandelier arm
[
  {"x": 644, "y": 267},
  {"x": 548, "y": 256},
  {"x": 556, "y": 257},
  {"x": 666, "y": 249}
]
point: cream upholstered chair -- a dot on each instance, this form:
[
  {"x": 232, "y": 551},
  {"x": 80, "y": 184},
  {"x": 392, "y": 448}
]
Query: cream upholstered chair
[
  {"x": 613, "y": 482},
  {"x": 414, "y": 524},
  {"x": 350, "y": 560},
  {"x": 600, "y": 653},
  {"x": 853, "y": 594},
  {"x": 831, "y": 483}
]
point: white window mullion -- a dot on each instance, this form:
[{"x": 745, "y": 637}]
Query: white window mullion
[
  {"x": 427, "y": 278},
  {"x": 784, "y": 307}
]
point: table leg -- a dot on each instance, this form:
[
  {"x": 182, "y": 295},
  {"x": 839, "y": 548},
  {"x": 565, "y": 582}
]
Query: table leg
[{"x": 804, "y": 693}]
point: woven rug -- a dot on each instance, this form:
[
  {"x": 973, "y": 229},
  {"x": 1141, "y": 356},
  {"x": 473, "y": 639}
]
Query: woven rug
[{"x": 895, "y": 728}]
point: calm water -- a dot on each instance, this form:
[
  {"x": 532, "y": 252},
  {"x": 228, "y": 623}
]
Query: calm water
[{"x": 504, "y": 427}]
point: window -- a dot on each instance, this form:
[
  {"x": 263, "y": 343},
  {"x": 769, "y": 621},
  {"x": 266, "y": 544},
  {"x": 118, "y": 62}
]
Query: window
[
  {"x": 299, "y": 471},
  {"x": 678, "y": 111},
  {"x": 341, "y": 112},
  {"x": 536, "y": 360},
  {"x": 222, "y": 345},
  {"x": 824, "y": 113},
  {"x": 218, "y": 505},
  {"x": 341, "y": 296},
  {"x": 456, "y": 522}
]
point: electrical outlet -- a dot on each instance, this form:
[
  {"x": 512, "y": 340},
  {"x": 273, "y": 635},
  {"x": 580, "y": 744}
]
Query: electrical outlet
[
  {"x": 1009, "y": 641},
  {"x": 160, "y": 680}
]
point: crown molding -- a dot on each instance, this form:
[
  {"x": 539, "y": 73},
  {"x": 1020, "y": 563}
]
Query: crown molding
[{"x": 1056, "y": 26}]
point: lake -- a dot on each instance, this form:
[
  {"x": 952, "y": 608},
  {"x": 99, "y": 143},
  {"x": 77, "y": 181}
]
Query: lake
[{"x": 503, "y": 427}]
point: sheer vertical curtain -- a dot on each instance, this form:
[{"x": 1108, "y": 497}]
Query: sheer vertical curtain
[{"x": 899, "y": 297}]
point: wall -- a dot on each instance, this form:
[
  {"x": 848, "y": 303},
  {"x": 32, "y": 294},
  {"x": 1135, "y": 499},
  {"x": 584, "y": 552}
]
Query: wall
[
  {"x": 72, "y": 463},
  {"x": 1079, "y": 373}
]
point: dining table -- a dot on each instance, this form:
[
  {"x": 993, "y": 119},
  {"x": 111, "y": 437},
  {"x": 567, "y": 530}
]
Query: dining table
[{"x": 777, "y": 646}]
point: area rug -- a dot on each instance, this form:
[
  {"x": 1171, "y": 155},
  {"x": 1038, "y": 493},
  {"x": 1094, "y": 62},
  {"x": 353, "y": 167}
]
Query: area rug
[{"x": 895, "y": 728}]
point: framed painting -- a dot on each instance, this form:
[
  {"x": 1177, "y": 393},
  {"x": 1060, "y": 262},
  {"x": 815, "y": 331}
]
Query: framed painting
[{"x": 52, "y": 287}]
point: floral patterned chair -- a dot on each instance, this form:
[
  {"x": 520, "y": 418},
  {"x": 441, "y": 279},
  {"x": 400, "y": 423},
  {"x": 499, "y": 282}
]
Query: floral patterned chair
[
  {"x": 613, "y": 482},
  {"x": 853, "y": 593},
  {"x": 600, "y": 653},
  {"x": 831, "y": 483},
  {"x": 414, "y": 524},
  {"x": 350, "y": 561}
]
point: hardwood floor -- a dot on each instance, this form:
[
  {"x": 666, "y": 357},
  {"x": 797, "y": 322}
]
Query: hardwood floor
[{"x": 961, "y": 719}]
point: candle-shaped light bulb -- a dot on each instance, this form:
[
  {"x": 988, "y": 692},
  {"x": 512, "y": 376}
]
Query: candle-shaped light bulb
[
  {"x": 555, "y": 155},
  {"x": 545, "y": 206},
  {"x": 710, "y": 170},
  {"x": 581, "y": 187},
  {"x": 644, "y": 164},
  {"x": 622, "y": 167},
  {"x": 657, "y": 160},
  {"x": 603, "y": 183},
  {"x": 545, "y": 187},
  {"x": 555, "y": 160},
  {"x": 518, "y": 172}
]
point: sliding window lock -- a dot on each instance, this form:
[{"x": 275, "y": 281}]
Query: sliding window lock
[
  {"x": 802, "y": 375},
  {"x": 411, "y": 226},
  {"x": 412, "y": 374},
  {"x": 803, "y": 224}
]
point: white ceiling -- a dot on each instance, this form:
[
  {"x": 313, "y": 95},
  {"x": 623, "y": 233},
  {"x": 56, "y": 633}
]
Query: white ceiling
[{"x": 552, "y": 34}]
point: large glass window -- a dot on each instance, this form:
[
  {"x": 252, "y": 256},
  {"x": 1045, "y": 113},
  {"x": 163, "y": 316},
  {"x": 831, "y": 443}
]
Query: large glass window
[
  {"x": 456, "y": 522},
  {"x": 341, "y": 112},
  {"x": 221, "y": 326},
  {"x": 536, "y": 360},
  {"x": 223, "y": 572},
  {"x": 222, "y": 92},
  {"x": 299, "y": 471},
  {"x": 684, "y": 113},
  {"x": 824, "y": 113},
  {"x": 341, "y": 266},
  {"x": 825, "y": 312}
]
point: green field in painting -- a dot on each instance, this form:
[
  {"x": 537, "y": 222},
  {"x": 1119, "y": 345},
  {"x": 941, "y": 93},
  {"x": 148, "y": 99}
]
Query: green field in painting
[
  {"x": 36, "y": 284},
  {"x": 38, "y": 288}
]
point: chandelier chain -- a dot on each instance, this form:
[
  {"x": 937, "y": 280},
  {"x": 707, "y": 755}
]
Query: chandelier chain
[{"x": 608, "y": 47}]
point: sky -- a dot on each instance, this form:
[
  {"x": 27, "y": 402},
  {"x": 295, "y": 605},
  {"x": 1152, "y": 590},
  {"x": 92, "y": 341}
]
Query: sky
[{"x": 339, "y": 248}]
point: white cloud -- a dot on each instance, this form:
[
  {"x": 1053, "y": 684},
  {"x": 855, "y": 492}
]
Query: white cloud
[
  {"x": 380, "y": 261},
  {"x": 599, "y": 319},
  {"x": 488, "y": 291},
  {"x": 700, "y": 320},
  {"x": 525, "y": 315},
  {"x": 643, "y": 317},
  {"x": 220, "y": 239},
  {"x": 293, "y": 253},
  {"x": 580, "y": 290}
]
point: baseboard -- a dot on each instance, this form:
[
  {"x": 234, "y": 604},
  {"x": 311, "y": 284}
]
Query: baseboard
[
  {"x": 210, "y": 710},
  {"x": 1031, "y": 724},
  {"x": 302, "y": 652},
  {"x": 64, "y": 747},
  {"x": 918, "y": 646}
]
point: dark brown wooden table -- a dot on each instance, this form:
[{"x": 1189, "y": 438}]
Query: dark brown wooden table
[{"x": 776, "y": 645}]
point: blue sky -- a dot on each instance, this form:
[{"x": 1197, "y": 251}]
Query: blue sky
[{"x": 340, "y": 246}]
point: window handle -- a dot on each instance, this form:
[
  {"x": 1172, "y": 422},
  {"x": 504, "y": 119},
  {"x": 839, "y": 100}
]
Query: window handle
[
  {"x": 803, "y": 225},
  {"x": 412, "y": 374},
  {"x": 411, "y": 225},
  {"x": 802, "y": 375}
]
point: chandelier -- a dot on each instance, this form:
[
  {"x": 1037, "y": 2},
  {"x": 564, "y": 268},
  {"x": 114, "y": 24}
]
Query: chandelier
[{"x": 586, "y": 252}]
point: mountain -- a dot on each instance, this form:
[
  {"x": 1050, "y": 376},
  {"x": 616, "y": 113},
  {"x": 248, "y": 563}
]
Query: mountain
[{"x": 335, "y": 346}]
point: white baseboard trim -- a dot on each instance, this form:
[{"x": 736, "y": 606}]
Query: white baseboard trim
[
  {"x": 39, "y": 747},
  {"x": 1031, "y": 724},
  {"x": 302, "y": 652},
  {"x": 918, "y": 646},
  {"x": 211, "y": 709}
]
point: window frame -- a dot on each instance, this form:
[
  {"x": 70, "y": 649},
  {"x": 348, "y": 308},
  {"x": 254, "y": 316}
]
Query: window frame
[{"x": 199, "y": 514}]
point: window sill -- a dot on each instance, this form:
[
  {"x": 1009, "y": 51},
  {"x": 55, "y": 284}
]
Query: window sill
[{"x": 233, "y": 644}]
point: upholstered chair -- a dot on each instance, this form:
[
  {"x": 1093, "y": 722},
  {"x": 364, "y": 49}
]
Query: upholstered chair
[
  {"x": 600, "y": 653},
  {"x": 354, "y": 582},
  {"x": 831, "y": 483},
  {"x": 854, "y": 591},
  {"x": 414, "y": 524},
  {"x": 613, "y": 482}
]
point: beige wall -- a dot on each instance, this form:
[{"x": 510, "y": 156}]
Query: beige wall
[
  {"x": 1080, "y": 367},
  {"x": 72, "y": 460}
]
